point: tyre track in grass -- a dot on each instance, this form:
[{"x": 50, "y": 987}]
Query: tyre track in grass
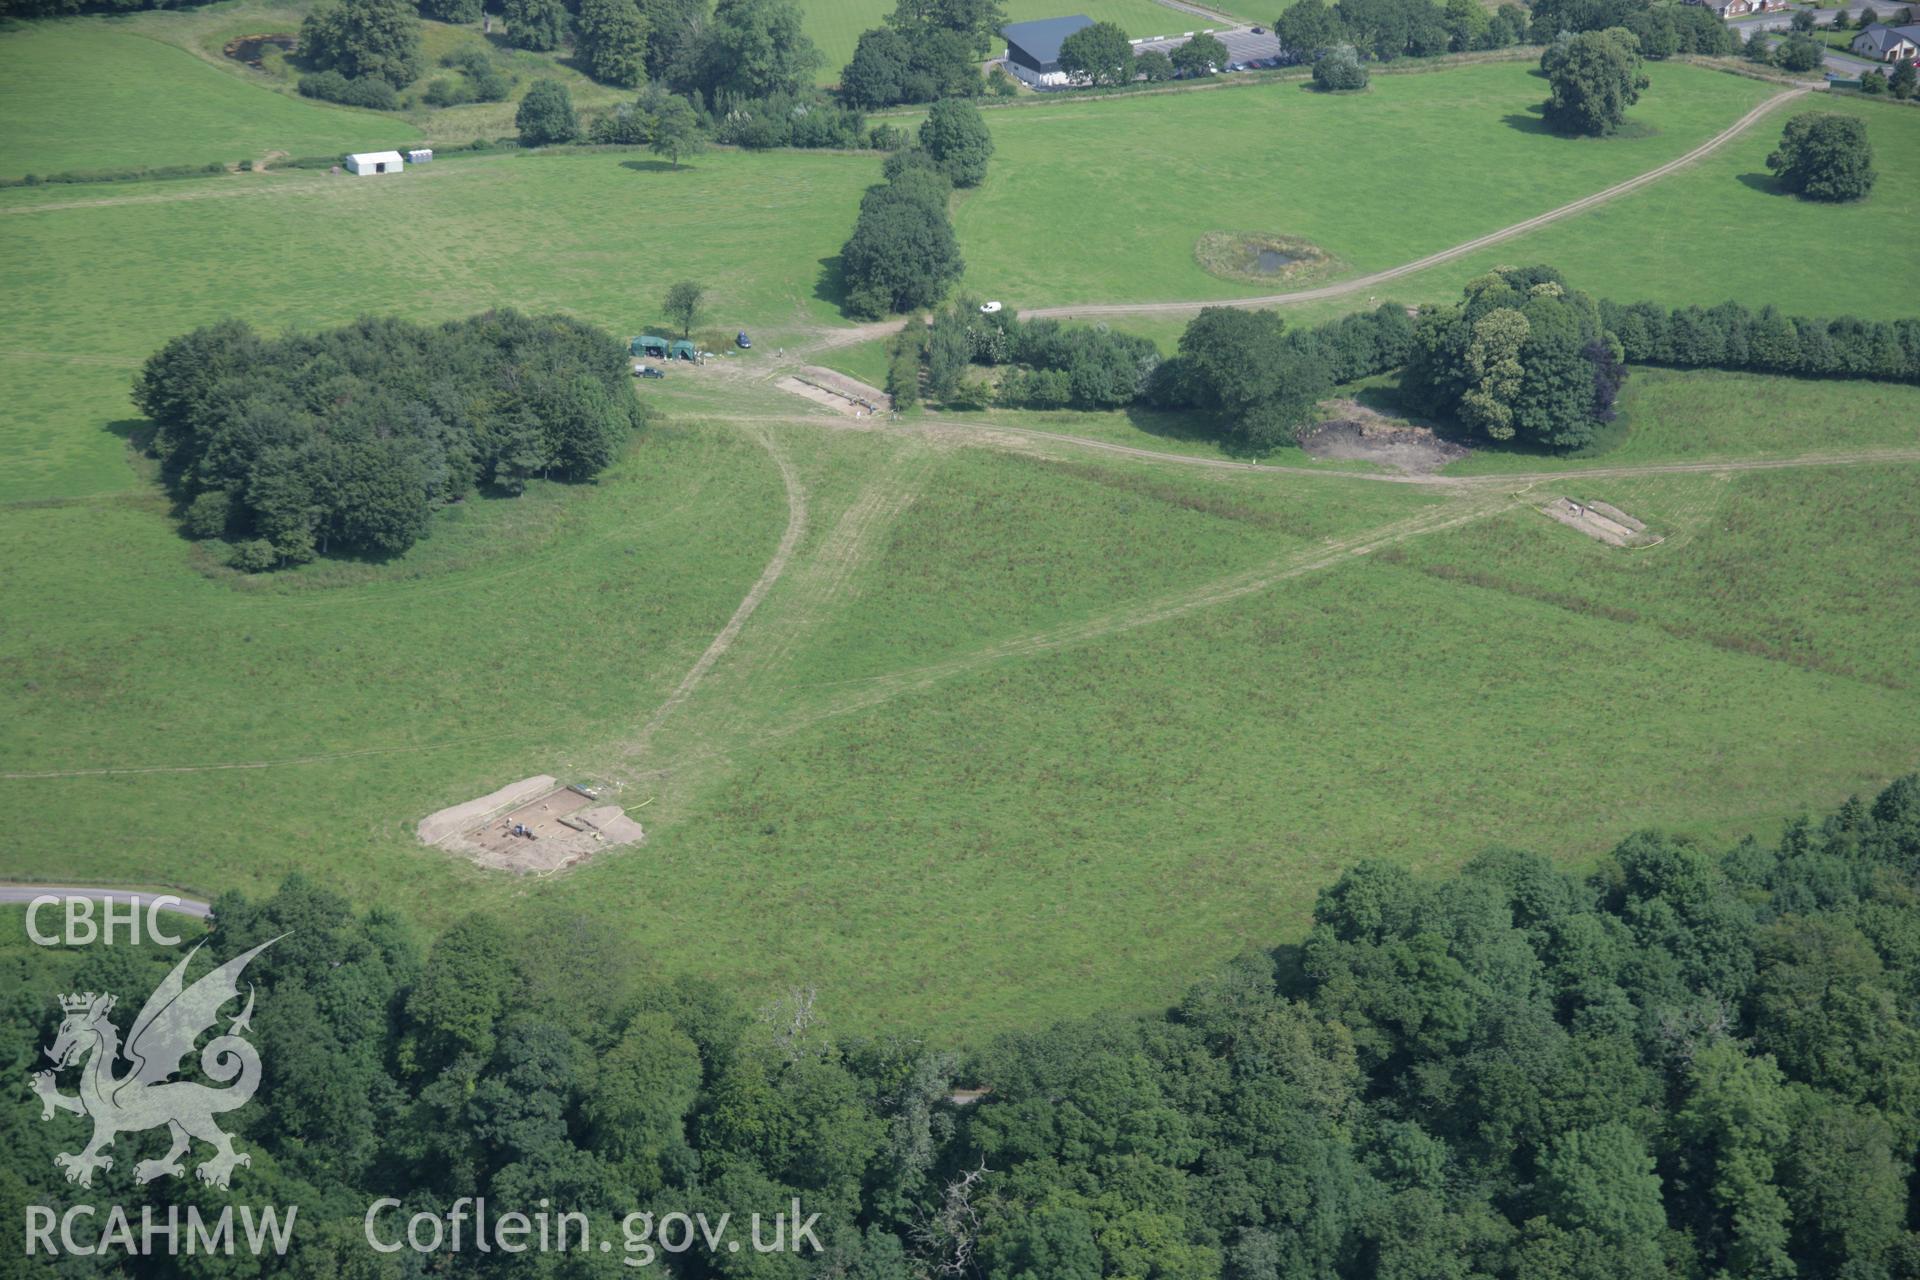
[{"x": 777, "y": 566}]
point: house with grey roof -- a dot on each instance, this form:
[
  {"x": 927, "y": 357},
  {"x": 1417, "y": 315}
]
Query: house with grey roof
[
  {"x": 1033, "y": 48},
  {"x": 1883, "y": 43}
]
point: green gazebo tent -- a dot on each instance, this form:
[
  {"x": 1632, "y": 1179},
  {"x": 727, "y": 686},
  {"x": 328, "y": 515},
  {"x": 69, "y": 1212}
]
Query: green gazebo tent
[
  {"x": 684, "y": 350},
  {"x": 646, "y": 345}
]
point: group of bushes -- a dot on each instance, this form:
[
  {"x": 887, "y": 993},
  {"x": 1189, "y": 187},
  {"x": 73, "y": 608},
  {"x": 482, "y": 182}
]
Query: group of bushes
[
  {"x": 346, "y": 441},
  {"x": 1047, "y": 365},
  {"x": 808, "y": 119},
  {"x": 370, "y": 92},
  {"x": 480, "y": 80}
]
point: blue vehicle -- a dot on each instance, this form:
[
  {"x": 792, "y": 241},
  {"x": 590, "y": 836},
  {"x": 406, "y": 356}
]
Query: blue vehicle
[{"x": 744, "y": 341}]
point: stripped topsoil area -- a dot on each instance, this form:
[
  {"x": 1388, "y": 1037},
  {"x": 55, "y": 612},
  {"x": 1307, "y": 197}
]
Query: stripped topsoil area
[{"x": 1359, "y": 434}]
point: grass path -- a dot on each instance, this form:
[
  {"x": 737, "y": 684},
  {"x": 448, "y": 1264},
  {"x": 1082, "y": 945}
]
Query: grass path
[{"x": 1359, "y": 283}]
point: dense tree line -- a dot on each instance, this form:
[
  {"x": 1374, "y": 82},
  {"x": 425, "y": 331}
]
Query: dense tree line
[
  {"x": 1691, "y": 1062},
  {"x": 928, "y": 50},
  {"x": 1385, "y": 30},
  {"x": 1520, "y": 357},
  {"x": 346, "y": 441},
  {"x": 1730, "y": 336}
]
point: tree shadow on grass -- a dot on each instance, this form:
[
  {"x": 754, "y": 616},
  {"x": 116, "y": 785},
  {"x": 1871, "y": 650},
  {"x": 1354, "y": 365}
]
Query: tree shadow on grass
[
  {"x": 830, "y": 285},
  {"x": 1532, "y": 120},
  {"x": 1189, "y": 426},
  {"x": 1764, "y": 183},
  {"x": 651, "y": 166},
  {"x": 136, "y": 432}
]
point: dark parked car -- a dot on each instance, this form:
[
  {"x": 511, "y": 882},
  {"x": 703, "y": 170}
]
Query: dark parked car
[
  {"x": 1259, "y": 31},
  {"x": 648, "y": 371},
  {"x": 743, "y": 340}
]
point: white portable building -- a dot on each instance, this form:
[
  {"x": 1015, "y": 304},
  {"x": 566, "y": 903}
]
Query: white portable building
[{"x": 367, "y": 163}]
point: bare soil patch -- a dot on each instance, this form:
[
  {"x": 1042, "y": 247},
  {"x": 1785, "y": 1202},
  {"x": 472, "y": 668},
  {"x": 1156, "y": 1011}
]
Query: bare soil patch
[
  {"x": 1600, "y": 521},
  {"x": 837, "y": 392},
  {"x": 1360, "y": 434},
  {"x": 531, "y": 826}
]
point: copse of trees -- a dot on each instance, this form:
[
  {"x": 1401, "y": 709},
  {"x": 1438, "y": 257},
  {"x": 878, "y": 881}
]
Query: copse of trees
[
  {"x": 1594, "y": 77},
  {"x": 1521, "y": 357},
  {"x": 1694, "y": 1061},
  {"x": 346, "y": 441},
  {"x": 1824, "y": 155},
  {"x": 746, "y": 51},
  {"x": 1259, "y": 381},
  {"x": 903, "y": 253},
  {"x": 364, "y": 39},
  {"x": 889, "y": 68},
  {"x": 928, "y": 50}
]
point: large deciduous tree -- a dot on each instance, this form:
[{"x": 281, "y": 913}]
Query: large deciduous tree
[
  {"x": 1201, "y": 56},
  {"x": 1522, "y": 357},
  {"x": 1101, "y": 53},
  {"x": 1824, "y": 155},
  {"x": 535, "y": 24},
  {"x": 611, "y": 37},
  {"x": 1594, "y": 77},
  {"x": 546, "y": 115}
]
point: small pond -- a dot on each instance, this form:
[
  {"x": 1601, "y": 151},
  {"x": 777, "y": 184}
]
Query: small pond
[{"x": 1271, "y": 262}]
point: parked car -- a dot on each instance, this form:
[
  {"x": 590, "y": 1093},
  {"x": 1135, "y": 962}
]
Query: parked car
[
  {"x": 988, "y": 308},
  {"x": 1259, "y": 31},
  {"x": 648, "y": 371},
  {"x": 744, "y": 341}
]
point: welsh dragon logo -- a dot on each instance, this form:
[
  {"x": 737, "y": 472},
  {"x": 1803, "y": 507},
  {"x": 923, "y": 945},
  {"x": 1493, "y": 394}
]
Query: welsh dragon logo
[{"x": 145, "y": 1096}]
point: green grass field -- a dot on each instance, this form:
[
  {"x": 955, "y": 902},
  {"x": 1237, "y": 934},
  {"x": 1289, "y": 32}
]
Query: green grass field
[
  {"x": 1417, "y": 163},
  {"x": 80, "y": 95},
  {"x": 1021, "y": 729},
  {"x": 1671, "y": 240}
]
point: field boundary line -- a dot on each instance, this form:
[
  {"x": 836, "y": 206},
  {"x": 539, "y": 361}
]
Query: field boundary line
[{"x": 1492, "y": 238}]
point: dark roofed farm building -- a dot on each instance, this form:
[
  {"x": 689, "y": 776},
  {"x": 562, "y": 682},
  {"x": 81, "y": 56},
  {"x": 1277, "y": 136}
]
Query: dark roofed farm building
[{"x": 1033, "y": 48}]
